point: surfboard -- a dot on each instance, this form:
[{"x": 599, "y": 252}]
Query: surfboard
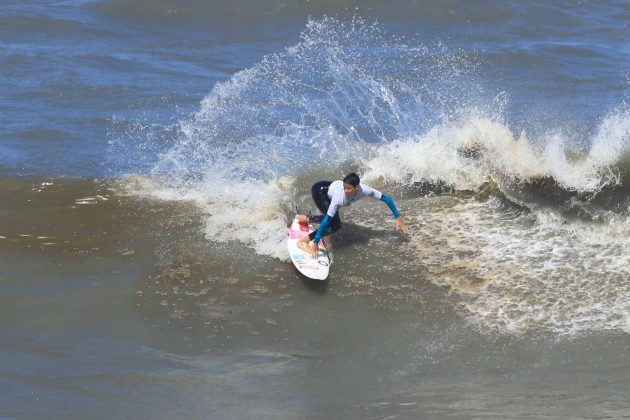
[{"x": 313, "y": 268}]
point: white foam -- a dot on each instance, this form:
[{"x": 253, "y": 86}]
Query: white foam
[
  {"x": 612, "y": 139},
  {"x": 86, "y": 201},
  {"x": 597, "y": 168},
  {"x": 248, "y": 211},
  {"x": 520, "y": 272},
  {"x": 466, "y": 153},
  {"x": 444, "y": 154}
]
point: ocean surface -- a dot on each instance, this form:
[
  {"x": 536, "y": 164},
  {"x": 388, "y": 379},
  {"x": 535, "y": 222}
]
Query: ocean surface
[{"x": 152, "y": 153}]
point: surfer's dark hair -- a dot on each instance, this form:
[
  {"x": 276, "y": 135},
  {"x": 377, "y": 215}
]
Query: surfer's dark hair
[{"x": 352, "y": 179}]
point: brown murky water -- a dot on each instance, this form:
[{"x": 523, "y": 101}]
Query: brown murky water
[{"x": 118, "y": 306}]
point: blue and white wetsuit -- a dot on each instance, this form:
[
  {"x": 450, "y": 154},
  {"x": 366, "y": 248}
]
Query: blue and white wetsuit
[{"x": 329, "y": 197}]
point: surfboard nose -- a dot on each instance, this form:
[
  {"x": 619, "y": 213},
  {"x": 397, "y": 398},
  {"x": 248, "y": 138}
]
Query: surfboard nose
[{"x": 298, "y": 229}]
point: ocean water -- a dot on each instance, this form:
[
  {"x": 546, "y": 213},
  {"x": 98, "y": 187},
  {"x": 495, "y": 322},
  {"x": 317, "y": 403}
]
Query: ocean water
[{"x": 153, "y": 151}]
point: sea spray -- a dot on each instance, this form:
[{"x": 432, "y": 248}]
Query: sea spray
[{"x": 328, "y": 102}]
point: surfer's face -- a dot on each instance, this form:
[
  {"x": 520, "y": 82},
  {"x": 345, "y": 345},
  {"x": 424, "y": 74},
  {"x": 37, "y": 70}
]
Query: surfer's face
[{"x": 350, "y": 190}]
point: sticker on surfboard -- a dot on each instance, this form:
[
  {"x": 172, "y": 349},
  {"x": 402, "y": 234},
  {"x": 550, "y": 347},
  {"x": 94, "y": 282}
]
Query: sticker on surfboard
[{"x": 313, "y": 268}]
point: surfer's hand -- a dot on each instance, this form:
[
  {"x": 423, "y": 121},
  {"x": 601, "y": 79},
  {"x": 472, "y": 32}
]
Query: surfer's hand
[
  {"x": 401, "y": 226},
  {"x": 314, "y": 249}
]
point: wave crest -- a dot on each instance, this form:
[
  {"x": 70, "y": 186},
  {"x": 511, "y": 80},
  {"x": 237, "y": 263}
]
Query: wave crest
[{"x": 465, "y": 155}]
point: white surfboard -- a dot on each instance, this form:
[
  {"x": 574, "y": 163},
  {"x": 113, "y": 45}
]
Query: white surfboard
[{"x": 313, "y": 268}]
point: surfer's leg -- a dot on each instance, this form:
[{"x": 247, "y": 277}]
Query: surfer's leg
[
  {"x": 302, "y": 243},
  {"x": 316, "y": 218},
  {"x": 333, "y": 226},
  {"x": 319, "y": 192}
]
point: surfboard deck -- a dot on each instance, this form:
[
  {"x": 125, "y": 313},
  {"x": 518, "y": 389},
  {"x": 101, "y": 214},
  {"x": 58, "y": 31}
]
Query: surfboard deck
[{"x": 313, "y": 268}]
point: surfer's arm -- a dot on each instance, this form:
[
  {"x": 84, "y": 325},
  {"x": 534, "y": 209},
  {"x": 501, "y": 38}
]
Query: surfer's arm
[
  {"x": 390, "y": 203},
  {"x": 321, "y": 229},
  {"x": 400, "y": 223}
]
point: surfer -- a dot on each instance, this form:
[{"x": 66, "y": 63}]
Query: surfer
[{"x": 329, "y": 197}]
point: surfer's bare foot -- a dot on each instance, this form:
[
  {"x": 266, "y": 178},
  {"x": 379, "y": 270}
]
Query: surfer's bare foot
[
  {"x": 301, "y": 217},
  {"x": 309, "y": 247},
  {"x": 304, "y": 246}
]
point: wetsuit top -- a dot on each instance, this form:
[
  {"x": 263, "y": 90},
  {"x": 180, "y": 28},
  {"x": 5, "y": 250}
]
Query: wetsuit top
[{"x": 339, "y": 199}]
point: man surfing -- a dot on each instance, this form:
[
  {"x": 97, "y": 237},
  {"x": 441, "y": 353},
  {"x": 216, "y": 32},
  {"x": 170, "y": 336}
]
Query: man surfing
[{"x": 329, "y": 197}]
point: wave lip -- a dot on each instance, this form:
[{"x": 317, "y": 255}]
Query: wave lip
[{"x": 467, "y": 154}]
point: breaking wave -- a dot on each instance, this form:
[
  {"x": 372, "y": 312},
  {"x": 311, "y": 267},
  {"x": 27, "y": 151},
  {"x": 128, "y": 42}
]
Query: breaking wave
[{"x": 413, "y": 119}]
